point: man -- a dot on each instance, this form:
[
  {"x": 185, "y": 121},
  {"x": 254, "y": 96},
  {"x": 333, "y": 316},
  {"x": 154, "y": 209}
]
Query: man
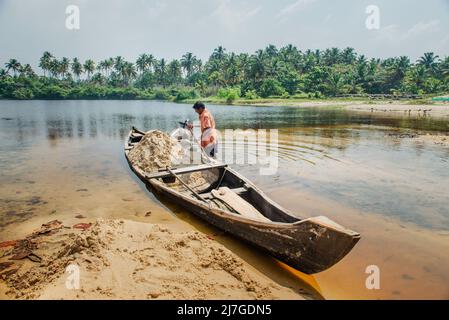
[{"x": 209, "y": 140}]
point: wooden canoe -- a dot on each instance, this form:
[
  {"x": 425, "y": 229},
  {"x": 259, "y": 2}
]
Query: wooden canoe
[{"x": 308, "y": 245}]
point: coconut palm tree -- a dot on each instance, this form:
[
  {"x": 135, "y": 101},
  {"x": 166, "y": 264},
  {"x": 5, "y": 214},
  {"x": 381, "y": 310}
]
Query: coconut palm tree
[
  {"x": 174, "y": 72},
  {"x": 335, "y": 83},
  {"x": 444, "y": 67},
  {"x": 142, "y": 63},
  {"x": 271, "y": 51},
  {"x": 89, "y": 66},
  {"x": 13, "y": 65},
  {"x": 219, "y": 54},
  {"x": 161, "y": 72},
  {"x": 418, "y": 76},
  {"x": 118, "y": 63},
  {"x": 188, "y": 62},
  {"x": 53, "y": 68},
  {"x": 128, "y": 72},
  {"x": 257, "y": 69},
  {"x": 44, "y": 62},
  {"x": 331, "y": 56},
  {"x": 3, "y": 74},
  {"x": 64, "y": 67},
  {"x": 348, "y": 56},
  {"x": 106, "y": 66},
  {"x": 429, "y": 61},
  {"x": 27, "y": 71},
  {"x": 77, "y": 68}
]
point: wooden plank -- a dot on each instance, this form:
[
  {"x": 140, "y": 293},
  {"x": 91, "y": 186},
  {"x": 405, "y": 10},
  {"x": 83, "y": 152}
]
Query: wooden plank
[
  {"x": 201, "y": 167},
  {"x": 241, "y": 206}
]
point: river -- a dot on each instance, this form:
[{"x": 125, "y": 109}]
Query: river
[{"x": 59, "y": 159}]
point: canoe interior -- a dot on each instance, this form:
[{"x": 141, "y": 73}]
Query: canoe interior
[
  {"x": 222, "y": 178},
  {"x": 217, "y": 178}
]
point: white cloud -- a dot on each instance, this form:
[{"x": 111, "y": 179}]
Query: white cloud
[
  {"x": 394, "y": 33},
  {"x": 232, "y": 18},
  {"x": 422, "y": 28},
  {"x": 293, "y": 7}
]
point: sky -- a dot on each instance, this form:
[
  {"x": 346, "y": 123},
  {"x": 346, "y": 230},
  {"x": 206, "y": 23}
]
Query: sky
[{"x": 171, "y": 28}]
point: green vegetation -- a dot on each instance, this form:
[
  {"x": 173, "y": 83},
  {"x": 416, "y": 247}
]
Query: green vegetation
[{"x": 284, "y": 73}]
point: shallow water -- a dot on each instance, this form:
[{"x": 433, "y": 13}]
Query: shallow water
[{"x": 64, "y": 158}]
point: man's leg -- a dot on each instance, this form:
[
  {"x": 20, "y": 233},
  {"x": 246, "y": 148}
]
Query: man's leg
[{"x": 211, "y": 150}]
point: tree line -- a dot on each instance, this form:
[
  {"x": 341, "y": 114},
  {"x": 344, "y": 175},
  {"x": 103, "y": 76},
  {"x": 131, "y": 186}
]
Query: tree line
[{"x": 272, "y": 72}]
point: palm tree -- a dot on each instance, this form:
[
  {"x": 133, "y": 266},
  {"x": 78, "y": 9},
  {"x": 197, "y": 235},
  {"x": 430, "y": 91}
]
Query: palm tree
[
  {"x": 128, "y": 72},
  {"x": 13, "y": 65},
  {"x": 271, "y": 51},
  {"x": 444, "y": 68},
  {"x": 258, "y": 66},
  {"x": 429, "y": 61},
  {"x": 118, "y": 63},
  {"x": 348, "y": 56},
  {"x": 335, "y": 83},
  {"x": 53, "y": 68},
  {"x": 45, "y": 60},
  {"x": 418, "y": 76},
  {"x": 188, "y": 62},
  {"x": 3, "y": 73},
  {"x": 77, "y": 68},
  {"x": 89, "y": 66},
  {"x": 64, "y": 67},
  {"x": 27, "y": 71},
  {"x": 161, "y": 72},
  {"x": 174, "y": 72},
  {"x": 397, "y": 71},
  {"x": 219, "y": 54},
  {"x": 331, "y": 56},
  {"x": 142, "y": 63},
  {"x": 106, "y": 66}
]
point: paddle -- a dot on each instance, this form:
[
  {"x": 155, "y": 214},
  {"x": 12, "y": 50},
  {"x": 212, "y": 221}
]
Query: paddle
[{"x": 186, "y": 185}]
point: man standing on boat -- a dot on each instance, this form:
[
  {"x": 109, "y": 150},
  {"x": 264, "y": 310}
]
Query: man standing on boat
[{"x": 209, "y": 141}]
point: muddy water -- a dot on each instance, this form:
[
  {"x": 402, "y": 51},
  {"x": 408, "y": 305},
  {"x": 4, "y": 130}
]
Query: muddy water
[{"x": 65, "y": 159}]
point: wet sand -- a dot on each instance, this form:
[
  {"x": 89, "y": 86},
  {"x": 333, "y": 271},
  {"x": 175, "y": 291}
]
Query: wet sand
[{"x": 389, "y": 106}]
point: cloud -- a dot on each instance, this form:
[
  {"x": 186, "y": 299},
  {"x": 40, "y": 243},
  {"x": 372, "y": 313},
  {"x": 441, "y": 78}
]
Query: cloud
[
  {"x": 423, "y": 28},
  {"x": 293, "y": 7},
  {"x": 394, "y": 33},
  {"x": 231, "y": 17}
]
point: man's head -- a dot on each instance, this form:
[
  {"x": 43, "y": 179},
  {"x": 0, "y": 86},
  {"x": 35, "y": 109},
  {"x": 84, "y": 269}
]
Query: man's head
[{"x": 199, "y": 107}]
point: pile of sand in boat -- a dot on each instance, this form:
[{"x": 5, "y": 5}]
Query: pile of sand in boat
[
  {"x": 123, "y": 259},
  {"x": 157, "y": 150}
]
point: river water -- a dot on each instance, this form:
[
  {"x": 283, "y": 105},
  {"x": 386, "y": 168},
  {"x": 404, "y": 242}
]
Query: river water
[{"x": 60, "y": 159}]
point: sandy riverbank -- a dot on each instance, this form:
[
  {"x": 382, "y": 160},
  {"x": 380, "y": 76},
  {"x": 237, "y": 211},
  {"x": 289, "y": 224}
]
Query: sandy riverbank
[
  {"x": 123, "y": 259},
  {"x": 395, "y": 107}
]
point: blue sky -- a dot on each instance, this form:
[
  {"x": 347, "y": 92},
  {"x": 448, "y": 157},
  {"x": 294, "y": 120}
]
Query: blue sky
[{"x": 170, "y": 28}]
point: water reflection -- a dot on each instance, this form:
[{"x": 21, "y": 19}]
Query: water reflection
[
  {"x": 69, "y": 156},
  {"x": 341, "y": 154}
]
